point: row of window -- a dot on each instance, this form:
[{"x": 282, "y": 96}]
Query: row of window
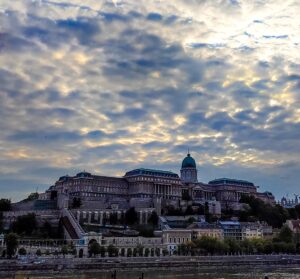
[
  {"x": 143, "y": 178},
  {"x": 178, "y": 240}
]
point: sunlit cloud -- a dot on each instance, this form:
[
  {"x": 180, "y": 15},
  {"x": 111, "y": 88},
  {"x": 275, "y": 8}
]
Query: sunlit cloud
[{"x": 108, "y": 86}]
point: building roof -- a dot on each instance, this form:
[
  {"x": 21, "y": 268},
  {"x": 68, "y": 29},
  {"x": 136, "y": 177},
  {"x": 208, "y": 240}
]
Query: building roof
[
  {"x": 230, "y": 181},
  {"x": 204, "y": 225},
  {"x": 226, "y": 224},
  {"x": 188, "y": 162},
  {"x": 152, "y": 172}
]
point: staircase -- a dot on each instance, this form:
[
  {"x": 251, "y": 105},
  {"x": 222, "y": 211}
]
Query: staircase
[
  {"x": 69, "y": 228},
  {"x": 71, "y": 225}
]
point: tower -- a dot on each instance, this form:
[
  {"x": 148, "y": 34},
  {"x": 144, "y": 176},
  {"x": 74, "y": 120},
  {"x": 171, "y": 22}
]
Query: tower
[{"x": 188, "y": 172}]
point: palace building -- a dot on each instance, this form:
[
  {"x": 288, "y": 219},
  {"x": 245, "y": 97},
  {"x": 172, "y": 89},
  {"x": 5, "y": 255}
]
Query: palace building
[{"x": 149, "y": 188}]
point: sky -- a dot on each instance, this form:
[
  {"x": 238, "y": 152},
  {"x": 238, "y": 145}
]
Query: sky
[{"x": 109, "y": 86}]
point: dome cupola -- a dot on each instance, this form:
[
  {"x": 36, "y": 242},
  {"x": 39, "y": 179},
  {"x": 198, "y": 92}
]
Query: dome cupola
[
  {"x": 188, "y": 172},
  {"x": 188, "y": 162}
]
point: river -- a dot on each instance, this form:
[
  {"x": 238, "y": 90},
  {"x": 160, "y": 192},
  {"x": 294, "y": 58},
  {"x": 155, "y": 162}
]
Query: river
[{"x": 284, "y": 273}]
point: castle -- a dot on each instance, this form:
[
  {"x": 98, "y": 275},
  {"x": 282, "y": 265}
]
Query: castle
[{"x": 149, "y": 188}]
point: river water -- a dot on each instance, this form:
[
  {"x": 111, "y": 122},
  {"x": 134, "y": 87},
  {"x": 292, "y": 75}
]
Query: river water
[{"x": 285, "y": 273}]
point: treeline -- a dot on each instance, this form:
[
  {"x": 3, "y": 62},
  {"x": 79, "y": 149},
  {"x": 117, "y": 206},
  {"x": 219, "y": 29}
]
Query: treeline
[
  {"x": 96, "y": 249},
  {"x": 274, "y": 215},
  {"x": 27, "y": 225},
  {"x": 285, "y": 242}
]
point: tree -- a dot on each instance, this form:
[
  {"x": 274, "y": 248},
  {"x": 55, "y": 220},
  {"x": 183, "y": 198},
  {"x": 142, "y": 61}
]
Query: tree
[
  {"x": 102, "y": 251},
  {"x": 134, "y": 253},
  {"x": 286, "y": 234},
  {"x": 94, "y": 248},
  {"x": 191, "y": 220},
  {"x": 259, "y": 210},
  {"x": 147, "y": 252},
  {"x": 76, "y": 202},
  {"x": 113, "y": 218},
  {"x": 64, "y": 250},
  {"x": 189, "y": 210},
  {"x": 25, "y": 224},
  {"x": 153, "y": 219},
  {"x": 122, "y": 252},
  {"x": 140, "y": 250},
  {"x": 1, "y": 221},
  {"x": 38, "y": 252},
  {"x": 22, "y": 251},
  {"x": 157, "y": 252},
  {"x": 5, "y": 205},
  {"x": 112, "y": 251},
  {"x": 11, "y": 241},
  {"x": 47, "y": 230},
  {"x": 131, "y": 216},
  {"x": 32, "y": 196},
  {"x": 186, "y": 196}
]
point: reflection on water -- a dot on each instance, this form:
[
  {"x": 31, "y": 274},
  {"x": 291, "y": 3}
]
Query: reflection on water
[{"x": 156, "y": 274}]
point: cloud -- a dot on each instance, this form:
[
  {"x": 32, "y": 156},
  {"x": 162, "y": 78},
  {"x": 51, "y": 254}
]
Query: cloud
[{"x": 108, "y": 86}]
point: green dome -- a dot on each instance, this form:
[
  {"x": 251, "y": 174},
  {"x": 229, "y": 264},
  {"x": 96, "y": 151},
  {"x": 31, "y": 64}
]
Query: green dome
[{"x": 188, "y": 162}]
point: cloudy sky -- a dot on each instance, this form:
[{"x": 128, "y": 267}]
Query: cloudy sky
[{"x": 108, "y": 86}]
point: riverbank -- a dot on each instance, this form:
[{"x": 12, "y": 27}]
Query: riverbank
[{"x": 80, "y": 265}]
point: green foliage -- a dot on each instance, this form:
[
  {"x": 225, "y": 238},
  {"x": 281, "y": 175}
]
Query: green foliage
[
  {"x": 113, "y": 218},
  {"x": 102, "y": 251},
  {"x": 122, "y": 252},
  {"x": 165, "y": 252},
  {"x": 25, "y": 224},
  {"x": 259, "y": 210},
  {"x": 157, "y": 252},
  {"x": 64, "y": 250},
  {"x": 47, "y": 230},
  {"x": 38, "y": 252},
  {"x": 47, "y": 252},
  {"x": 152, "y": 252},
  {"x": 5, "y": 205},
  {"x": 32, "y": 196},
  {"x": 140, "y": 249},
  {"x": 147, "y": 252},
  {"x": 76, "y": 202},
  {"x": 12, "y": 243},
  {"x": 94, "y": 248},
  {"x": 191, "y": 220},
  {"x": 189, "y": 210},
  {"x": 286, "y": 235},
  {"x": 131, "y": 216},
  {"x": 1, "y": 221},
  {"x": 186, "y": 196},
  {"x": 153, "y": 219},
  {"x": 112, "y": 251},
  {"x": 22, "y": 251},
  {"x": 134, "y": 253},
  {"x": 146, "y": 231},
  {"x": 209, "y": 244}
]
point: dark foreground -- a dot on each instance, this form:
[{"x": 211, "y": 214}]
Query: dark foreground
[{"x": 168, "y": 267}]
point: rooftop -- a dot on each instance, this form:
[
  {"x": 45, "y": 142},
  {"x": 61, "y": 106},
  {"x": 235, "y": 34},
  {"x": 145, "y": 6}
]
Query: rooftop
[
  {"x": 153, "y": 172},
  {"x": 225, "y": 180}
]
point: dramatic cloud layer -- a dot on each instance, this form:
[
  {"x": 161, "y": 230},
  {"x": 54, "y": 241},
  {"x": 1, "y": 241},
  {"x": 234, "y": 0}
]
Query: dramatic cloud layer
[{"x": 108, "y": 86}]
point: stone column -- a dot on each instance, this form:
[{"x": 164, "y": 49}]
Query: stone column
[
  {"x": 96, "y": 215},
  {"x": 141, "y": 216},
  {"x": 107, "y": 217},
  {"x": 146, "y": 217},
  {"x": 101, "y": 218},
  {"x": 89, "y": 217},
  {"x": 78, "y": 215}
]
